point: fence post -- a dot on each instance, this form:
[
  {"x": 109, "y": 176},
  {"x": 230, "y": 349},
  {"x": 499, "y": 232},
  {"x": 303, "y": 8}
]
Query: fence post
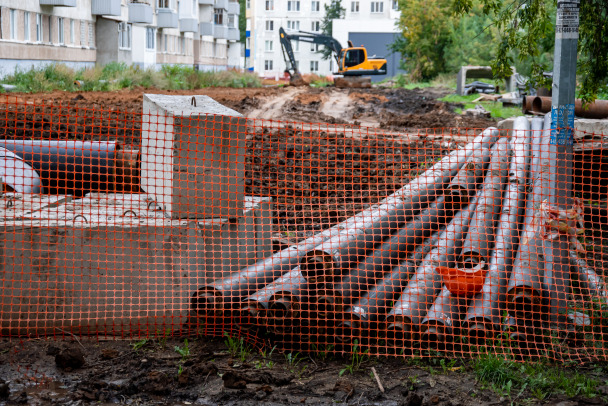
[{"x": 562, "y": 124}]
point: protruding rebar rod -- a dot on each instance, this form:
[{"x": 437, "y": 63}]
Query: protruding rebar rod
[
  {"x": 525, "y": 290},
  {"x": 426, "y": 282},
  {"x": 480, "y": 238},
  {"x": 344, "y": 251},
  {"x": 334, "y": 297},
  {"x": 483, "y": 317}
]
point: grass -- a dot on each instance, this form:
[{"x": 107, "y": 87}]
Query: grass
[
  {"x": 114, "y": 76},
  {"x": 512, "y": 379},
  {"x": 496, "y": 109}
]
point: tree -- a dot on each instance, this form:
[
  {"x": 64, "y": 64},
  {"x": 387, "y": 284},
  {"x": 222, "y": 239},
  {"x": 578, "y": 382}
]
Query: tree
[
  {"x": 333, "y": 11},
  {"x": 526, "y": 26}
]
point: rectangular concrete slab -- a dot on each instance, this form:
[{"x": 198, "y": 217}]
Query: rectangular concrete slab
[
  {"x": 93, "y": 267},
  {"x": 193, "y": 156}
]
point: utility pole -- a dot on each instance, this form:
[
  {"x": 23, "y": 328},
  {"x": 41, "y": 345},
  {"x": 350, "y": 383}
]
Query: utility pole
[{"x": 561, "y": 141}]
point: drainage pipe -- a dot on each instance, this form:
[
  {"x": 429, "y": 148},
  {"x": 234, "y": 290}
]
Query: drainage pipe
[
  {"x": 480, "y": 238},
  {"x": 597, "y": 109},
  {"x": 483, "y": 317},
  {"x": 440, "y": 324},
  {"x": 17, "y": 174},
  {"x": 344, "y": 251},
  {"x": 225, "y": 294}
]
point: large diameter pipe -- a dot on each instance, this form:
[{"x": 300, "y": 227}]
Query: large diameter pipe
[
  {"x": 69, "y": 167},
  {"x": 466, "y": 182},
  {"x": 342, "y": 252},
  {"x": 480, "y": 238},
  {"x": 16, "y": 175},
  {"x": 222, "y": 295},
  {"x": 525, "y": 290},
  {"x": 366, "y": 274},
  {"x": 426, "y": 282},
  {"x": 368, "y": 312},
  {"x": 597, "y": 109},
  {"x": 484, "y": 314},
  {"x": 441, "y": 323}
]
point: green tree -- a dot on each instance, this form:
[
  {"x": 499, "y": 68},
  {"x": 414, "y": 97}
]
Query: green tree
[
  {"x": 333, "y": 11},
  {"x": 242, "y": 20},
  {"x": 526, "y": 28}
]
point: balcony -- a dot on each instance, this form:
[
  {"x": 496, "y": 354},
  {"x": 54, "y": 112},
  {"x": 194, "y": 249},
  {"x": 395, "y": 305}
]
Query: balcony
[
  {"x": 233, "y": 34},
  {"x": 58, "y": 3},
  {"x": 140, "y": 13},
  {"x": 166, "y": 18},
  {"x": 234, "y": 8},
  {"x": 188, "y": 25},
  {"x": 206, "y": 29},
  {"x": 105, "y": 7},
  {"x": 206, "y": 2},
  {"x": 221, "y": 4},
  {"x": 220, "y": 32}
]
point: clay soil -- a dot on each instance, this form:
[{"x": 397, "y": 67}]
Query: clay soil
[{"x": 318, "y": 176}]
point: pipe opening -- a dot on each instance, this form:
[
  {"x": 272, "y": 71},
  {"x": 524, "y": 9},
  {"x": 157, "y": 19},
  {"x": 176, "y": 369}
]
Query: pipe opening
[
  {"x": 537, "y": 104},
  {"x": 478, "y": 334},
  {"x": 523, "y": 303},
  {"x": 433, "y": 337},
  {"x": 324, "y": 305},
  {"x": 456, "y": 197},
  {"x": 470, "y": 261},
  {"x": 205, "y": 302},
  {"x": 280, "y": 308}
]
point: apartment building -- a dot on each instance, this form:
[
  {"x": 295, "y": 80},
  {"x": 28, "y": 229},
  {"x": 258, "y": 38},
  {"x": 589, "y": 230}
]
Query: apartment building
[
  {"x": 148, "y": 33},
  {"x": 371, "y": 23}
]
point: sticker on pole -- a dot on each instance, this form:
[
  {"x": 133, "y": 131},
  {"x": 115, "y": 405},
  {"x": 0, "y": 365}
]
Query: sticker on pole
[
  {"x": 562, "y": 123},
  {"x": 567, "y": 19}
]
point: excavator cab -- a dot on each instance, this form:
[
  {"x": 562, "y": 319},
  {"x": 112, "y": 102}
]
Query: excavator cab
[{"x": 353, "y": 62}]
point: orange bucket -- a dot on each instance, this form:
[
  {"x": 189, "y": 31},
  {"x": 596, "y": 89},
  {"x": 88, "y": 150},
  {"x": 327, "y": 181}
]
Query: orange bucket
[{"x": 463, "y": 282}]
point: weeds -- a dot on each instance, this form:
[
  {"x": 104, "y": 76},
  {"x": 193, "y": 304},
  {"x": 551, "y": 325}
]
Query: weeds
[
  {"x": 266, "y": 361},
  {"x": 293, "y": 361},
  {"x": 185, "y": 354},
  {"x": 237, "y": 347},
  {"x": 118, "y": 75},
  {"x": 357, "y": 358},
  {"x": 138, "y": 345}
]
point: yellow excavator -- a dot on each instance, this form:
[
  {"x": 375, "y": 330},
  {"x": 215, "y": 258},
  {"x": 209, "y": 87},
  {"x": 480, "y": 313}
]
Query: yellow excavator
[{"x": 353, "y": 62}]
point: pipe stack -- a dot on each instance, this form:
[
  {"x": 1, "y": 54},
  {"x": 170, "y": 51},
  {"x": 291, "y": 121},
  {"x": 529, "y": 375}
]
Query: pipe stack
[{"x": 377, "y": 277}]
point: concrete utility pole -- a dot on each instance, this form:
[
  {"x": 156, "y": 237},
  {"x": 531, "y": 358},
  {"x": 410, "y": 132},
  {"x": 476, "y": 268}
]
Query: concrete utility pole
[{"x": 562, "y": 124}]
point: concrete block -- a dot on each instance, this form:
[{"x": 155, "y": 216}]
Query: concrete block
[
  {"x": 113, "y": 264},
  {"x": 193, "y": 156},
  {"x": 480, "y": 72}
]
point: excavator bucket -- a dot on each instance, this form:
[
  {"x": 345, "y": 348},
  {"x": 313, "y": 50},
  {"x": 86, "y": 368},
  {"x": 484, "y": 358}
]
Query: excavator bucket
[{"x": 296, "y": 79}]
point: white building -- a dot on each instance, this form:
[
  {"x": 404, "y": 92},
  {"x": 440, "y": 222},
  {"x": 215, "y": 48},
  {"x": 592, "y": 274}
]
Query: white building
[
  {"x": 372, "y": 23},
  {"x": 149, "y": 33}
]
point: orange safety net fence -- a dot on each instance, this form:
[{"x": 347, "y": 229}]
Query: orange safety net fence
[{"x": 187, "y": 218}]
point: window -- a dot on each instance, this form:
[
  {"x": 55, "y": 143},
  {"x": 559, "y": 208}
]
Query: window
[
  {"x": 268, "y": 64},
  {"x": 314, "y": 66},
  {"x": 354, "y": 6},
  {"x": 354, "y": 57},
  {"x": 165, "y": 42},
  {"x": 315, "y": 6},
  {"x": 71, "y": 31},
  {"x": 293, "y": 25},
  {"x": 269, "y": 6},
  {"x": 83, "y": 30},
  {"x": 395, "y": 4},
  {"x": 315, "y": 26},
  {"x": 124, "y": 36},
  {"x": 248, "y": 4},
  {"x": 232, "y": 21},
  {"x": 50, "y": 30},
  {"x": 163, "y": 4},
  {"x": 91, "y": 38},
  {"x": 218, "y": 16},
  {"x": 295, "y": 45},
  {"x": 248, "y": 43},
  {"x": 38, "y": 27},
  {"x": 150, "y": 37},
  {"x": 13, "y": 23},
  {"x": 26, "y": 25},
  {"x": 268, "y": 46},
  {"x": 269, "y": 25},
  {"x": 315, "y": 47},
  {"x": 60, "y": 30},
  {"x": 377, "y": 6},
  {"x": 293, "y": 5}
]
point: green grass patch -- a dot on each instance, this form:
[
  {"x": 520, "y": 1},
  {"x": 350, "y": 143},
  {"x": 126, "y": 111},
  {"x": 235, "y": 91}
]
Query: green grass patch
[
  {"x": 512, "y": 379},
  {"x": 496, "y": 109},
  {"x": 115, "y": 75}
]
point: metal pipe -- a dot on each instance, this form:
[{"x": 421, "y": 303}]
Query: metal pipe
[
  {"x": 526, "y": 106},
  {"x": 525, "y": 290},
  {"x": 342, "y": 252},
  {"x": 476, "y": 247},
  {"x": 334, "y": 297},
  {"x": 425, "y": 284},
  {"x": 442, "y": 320},
  {"x": 589, "y": 281},
  {"x": 483, "y": 317},
  {"x": 69, "y": 167},
  {"x": 17, "y": 174},
  {"x": 597, "y": 109},
  {"x": 214, "y": 299},
  {"x": 368, "y": 311},
  {"x": 464, "y": 185}
]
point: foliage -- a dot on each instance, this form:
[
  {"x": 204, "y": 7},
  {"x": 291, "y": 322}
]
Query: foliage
[
  {"x": 242, "y": 21},
  {"x": 117, "y": 75},
  {"x": 237, "y": 348},
  {"x": 333, "y": 11},
  {"x": 526, "y": 28},
  {"x": 356, "y": 359},
  {"x": 496, "y": 109}
]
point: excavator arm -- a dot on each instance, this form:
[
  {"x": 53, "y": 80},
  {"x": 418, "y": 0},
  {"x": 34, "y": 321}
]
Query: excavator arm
[{"x": 310, "y": 38}]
